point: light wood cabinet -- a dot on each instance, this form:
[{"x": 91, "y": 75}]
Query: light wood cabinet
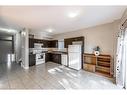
[
  {"x": 99, "y": 64},
  {"x": 89, "y": 67}
]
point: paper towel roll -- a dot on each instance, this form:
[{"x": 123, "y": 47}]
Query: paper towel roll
[{"x": 96, "y": 53}]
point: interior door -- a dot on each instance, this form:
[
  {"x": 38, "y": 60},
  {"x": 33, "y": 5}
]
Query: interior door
[{"x": 5, "y": 50}]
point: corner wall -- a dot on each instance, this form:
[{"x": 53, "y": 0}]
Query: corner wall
[
  {"x": 25, "y": 48},
  {"x": 17, "y": 46}
]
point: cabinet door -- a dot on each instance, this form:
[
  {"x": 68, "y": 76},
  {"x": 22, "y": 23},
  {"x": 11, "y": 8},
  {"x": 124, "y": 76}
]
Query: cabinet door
[
  {"x": 53, "y": 58},
  {"x": 32, "y": 61},
  {"x": 67, "y": 42},
  {"x": 49, "y": 44},
  {"x": 47, "y": 57},
  {"x": 31, "y": 43},
  {"x": 45, "y": 44},
  {"x": 56, "y": 58},
  {"x": 70, "y": 40},
  {"x": 59, "y": 58},
  {"x": 53, "y": 43}
]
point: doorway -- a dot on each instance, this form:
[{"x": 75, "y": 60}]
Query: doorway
[{"x": 6, "y": 49}]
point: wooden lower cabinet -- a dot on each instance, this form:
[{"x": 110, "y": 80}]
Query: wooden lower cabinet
[
  {"x": 32, "y": 60},
  {"x": 56, "y": 58},
  {"x": 99, "y": 64},
  {"x": 89, "y": 67},
  {"x": 47, "y": 57}
]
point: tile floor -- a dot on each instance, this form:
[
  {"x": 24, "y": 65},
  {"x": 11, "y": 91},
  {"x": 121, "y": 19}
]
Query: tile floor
[{"x": 51, "y": 76}]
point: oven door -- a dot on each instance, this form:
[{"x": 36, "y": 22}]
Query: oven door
[{"x": 40, "y": 58}]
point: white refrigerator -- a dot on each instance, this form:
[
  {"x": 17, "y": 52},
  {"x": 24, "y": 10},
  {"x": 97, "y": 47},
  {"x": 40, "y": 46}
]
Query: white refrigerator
[{"x": 74, "y": 54}]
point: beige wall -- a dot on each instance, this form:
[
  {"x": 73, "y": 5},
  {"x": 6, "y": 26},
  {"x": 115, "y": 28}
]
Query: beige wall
[{"x": 104, "y": 36}]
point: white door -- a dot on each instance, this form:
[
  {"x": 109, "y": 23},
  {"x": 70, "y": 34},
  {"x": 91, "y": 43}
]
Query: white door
[{"x": 75, "y": 61}]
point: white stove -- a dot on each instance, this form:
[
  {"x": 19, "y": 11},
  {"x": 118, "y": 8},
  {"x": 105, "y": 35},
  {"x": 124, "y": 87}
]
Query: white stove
[{"x": 40, "y": 58}]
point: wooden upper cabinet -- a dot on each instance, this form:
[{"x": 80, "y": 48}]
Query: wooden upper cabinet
[
  {"x": 31, "y": 43},
  {"x": 44, "y": 42},
  {"x": 53, "y": 44},
  {"x": 69, "y": 41},
  {"x": 55, "y": 58}
]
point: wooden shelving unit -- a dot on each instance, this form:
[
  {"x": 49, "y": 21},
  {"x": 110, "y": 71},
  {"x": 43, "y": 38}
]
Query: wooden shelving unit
[{"x": 98, "y": 64}]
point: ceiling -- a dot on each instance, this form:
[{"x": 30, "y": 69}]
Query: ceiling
[{"x": 57, "y": 18}]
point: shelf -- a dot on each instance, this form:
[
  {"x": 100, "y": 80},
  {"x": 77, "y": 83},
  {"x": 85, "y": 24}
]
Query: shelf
[
  {"x": 105, "y": 64},
  {"x": 104, "y": 57},
  {"x": 89, "y": 63},
  {"x": 103, "y": 69},
  {"x": 101, "y": 63},
  {"x": 104, "y": 60},
  {"x": 89, "y": 56},
  {"x": 103, "y": 74}
]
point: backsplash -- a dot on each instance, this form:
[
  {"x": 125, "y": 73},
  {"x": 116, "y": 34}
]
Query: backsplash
[{"x": 48, "y": 49}]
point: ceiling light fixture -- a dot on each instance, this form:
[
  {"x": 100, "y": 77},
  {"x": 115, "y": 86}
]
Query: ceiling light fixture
[
  {"x": 73, "y": 14},
  {"x": 50, "y": 30}
]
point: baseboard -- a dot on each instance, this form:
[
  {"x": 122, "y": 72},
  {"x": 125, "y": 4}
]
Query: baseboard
[
  {"x": 120, "y": 86},
  {"x": 24, "y": 66}
]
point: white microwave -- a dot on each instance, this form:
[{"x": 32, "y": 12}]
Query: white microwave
[{"x": 38, "y": 45}]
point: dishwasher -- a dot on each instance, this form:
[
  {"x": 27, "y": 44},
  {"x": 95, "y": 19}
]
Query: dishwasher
[{"x": 64, "y": 60}]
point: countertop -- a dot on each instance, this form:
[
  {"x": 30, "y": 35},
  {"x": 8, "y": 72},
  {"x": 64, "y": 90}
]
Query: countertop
[
  {"x": 52, "y": 52},
  {"x": 55, "y": 52}
]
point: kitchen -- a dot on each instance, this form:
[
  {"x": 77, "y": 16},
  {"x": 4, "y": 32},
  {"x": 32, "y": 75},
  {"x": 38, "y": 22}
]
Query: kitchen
[
  {"x": 79, "y": 53},
  {"x": 57, "y": 51}
]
